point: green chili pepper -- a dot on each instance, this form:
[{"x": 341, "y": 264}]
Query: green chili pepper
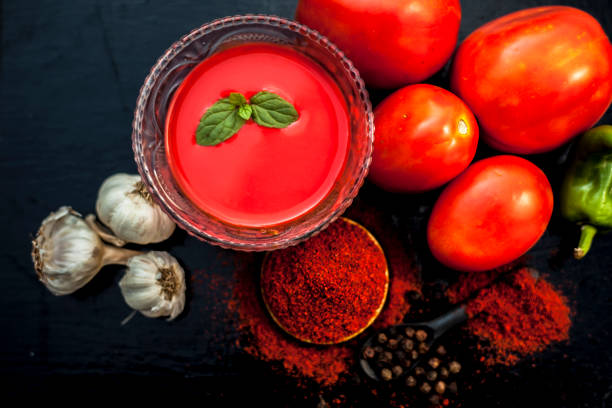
[{"x": 586, "y": 194}]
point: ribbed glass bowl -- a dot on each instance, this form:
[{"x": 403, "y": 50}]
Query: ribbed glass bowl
[{"x": 170, "y": 70}]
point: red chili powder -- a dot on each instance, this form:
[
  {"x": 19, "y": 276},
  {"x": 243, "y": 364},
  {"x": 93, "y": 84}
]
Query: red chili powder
[
  {"x": 328, "y": 288},
  {"x": 404, "y": 272},
  {"x": 518, "y": 315},
  {"x": 264, "y": 340}
]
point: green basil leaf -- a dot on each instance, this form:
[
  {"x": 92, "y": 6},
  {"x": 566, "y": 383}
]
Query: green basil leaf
[
  {"x": 245, "y": 111},
  {"x": 220, "y": 122},
  {"x": 270, "y": 110},
  {"x": 237, "y": 99}
]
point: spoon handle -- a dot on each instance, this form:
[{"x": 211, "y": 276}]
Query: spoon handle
[{"x": 446, "y": 321}]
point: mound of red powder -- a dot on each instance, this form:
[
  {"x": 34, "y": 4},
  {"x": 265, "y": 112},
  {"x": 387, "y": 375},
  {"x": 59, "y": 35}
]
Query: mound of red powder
[{"x": 328, "y": 288}]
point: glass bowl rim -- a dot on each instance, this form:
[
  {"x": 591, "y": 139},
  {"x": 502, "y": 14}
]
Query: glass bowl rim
[{"x": 239, "y": 21}]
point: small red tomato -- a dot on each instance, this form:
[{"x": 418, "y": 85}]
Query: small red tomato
[
  {"x": 424, "y": 137},
  {"x": 491, "y": 214},
  {"x": 535, "y": 78},
  {"x": 391, "y": 42}
]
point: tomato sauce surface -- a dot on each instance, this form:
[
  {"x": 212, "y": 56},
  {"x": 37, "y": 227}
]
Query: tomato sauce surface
[{"x": 260, "y": 176}]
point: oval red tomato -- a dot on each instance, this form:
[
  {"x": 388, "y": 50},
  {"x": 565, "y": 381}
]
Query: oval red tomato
[
  {"x": 424, "y": 137},
  {"x": 491, "y": 214},
  {"x": 535, "y": 78},
  {"x": 391, "y": 42}
]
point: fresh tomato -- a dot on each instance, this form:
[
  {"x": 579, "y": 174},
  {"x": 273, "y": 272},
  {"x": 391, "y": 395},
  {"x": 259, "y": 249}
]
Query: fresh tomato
[
  {"x": 424, "y": 137},
  {"x": 535, "y": 78},
  {"x": 392, "y": 42},
  {"x": 491, "y": 214}
]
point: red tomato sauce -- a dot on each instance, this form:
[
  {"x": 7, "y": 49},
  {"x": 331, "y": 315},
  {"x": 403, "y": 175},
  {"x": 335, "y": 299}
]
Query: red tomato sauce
[{"x": 260, "y": 176}]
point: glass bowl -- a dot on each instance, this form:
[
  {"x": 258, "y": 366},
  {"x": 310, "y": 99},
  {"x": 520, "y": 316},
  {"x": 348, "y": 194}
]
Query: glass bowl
[{"x": 170, "y": 70}]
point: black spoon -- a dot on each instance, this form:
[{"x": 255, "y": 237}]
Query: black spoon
[{"x": 433, "y": 329}]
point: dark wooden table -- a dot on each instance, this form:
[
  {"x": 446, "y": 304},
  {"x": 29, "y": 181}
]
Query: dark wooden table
[{"x": 69, "y": 76}]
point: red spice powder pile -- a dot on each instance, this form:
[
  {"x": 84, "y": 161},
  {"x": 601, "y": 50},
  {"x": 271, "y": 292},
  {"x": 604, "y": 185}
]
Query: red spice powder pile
[
  {"x": 264, "y": 340},
  {"x": 517, "y": 315},
  {"x": 328, "y": 288}
]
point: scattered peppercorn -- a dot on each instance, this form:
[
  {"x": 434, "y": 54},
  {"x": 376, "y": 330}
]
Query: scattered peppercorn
[
  {"x": 397, "y": 371},
  {"x": 435, "y": 363},
  {"x": 386, "y": 374},
  {"x": 421, "y": 335},
  {"x": 431, "y": 375},
  {"x": 454, "y": 367},
  {"x": 407, "y": 344},
  {"x": 369, "y": 352},
  {"x": 452, "y": 387},
  {"x": 411, "y": 381},
  {"x": 441, "y": 350},
  {"x": 425, "y": 388},
  {"x": 409, "y": 331},
  {"x": 382, "y": 338},
  {"x": 419, "y": 371},
  {"x": 440, "y": 387},
  {"x": 444, "y": 372}
]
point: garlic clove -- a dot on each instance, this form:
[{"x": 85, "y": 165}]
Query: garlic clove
[
  {"x": 126, "y": 207},
  {"x": 66, "y": 252},
  {"x": 154, "y": 284}
]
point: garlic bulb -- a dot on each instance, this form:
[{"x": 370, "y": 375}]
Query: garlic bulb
[
  {"x": 67, "y": 253},
  {"x": 126, "y": 207},
  {"x": 154, "y": 284}
]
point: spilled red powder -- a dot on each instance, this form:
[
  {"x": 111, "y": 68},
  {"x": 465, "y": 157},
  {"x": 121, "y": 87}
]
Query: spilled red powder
[
  {"x": 516, "y": 316},
  {"x": 264, "y": 340}
]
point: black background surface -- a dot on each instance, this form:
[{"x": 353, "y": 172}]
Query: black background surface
[{"x": 70, "y": 72}]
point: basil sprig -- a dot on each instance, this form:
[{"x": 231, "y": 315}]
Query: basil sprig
[{"x": 226, "y": 116}]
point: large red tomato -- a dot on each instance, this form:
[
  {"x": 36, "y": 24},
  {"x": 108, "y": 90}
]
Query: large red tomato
[
  {"x": 535, "y": 78},
  {"x": 491, "y": 214},
  {"x": 392, "y": 42},
  {"x": 424, "y": 137}
]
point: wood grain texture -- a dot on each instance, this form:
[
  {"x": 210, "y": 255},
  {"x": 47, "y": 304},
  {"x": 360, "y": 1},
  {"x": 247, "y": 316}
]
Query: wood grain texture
[{"x": 69, "y": 77}]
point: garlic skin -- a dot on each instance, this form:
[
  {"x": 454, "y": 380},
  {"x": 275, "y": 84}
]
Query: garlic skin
[
  {"x": 154, "y": 284},
  {"x": 126, "y": 207},
  {"x": 66, "y": 252}
]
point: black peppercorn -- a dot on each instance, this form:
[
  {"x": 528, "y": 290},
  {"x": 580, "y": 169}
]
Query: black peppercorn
[
  {"x": 369, "y": 352},
  {"x": 386, "y": 374},
  {"x": 425, "y": 388},
  {"x": 423, "y": 348},
  {"x": 392, "y": 344},
  {"x": 454, "y": 367},
  {"x": 385, "y": 357},
  {"x": 441, "y": 350},
  {"x": 444, "y": 372},
  {"x": 409, "y": 331},
  {"x": 434, "y": 363},
  {"x": 407, "y": 344},
  {"x": 382, "y": 338},
  {"x": 432, "y": 375},
  {"x": 440, "y": 387},
  {"x": 419, "y": 371},
  {"x": 411, "y": 381},
  {"x": 397, "y": 370},
  {"x": 421, "y": 335}
]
